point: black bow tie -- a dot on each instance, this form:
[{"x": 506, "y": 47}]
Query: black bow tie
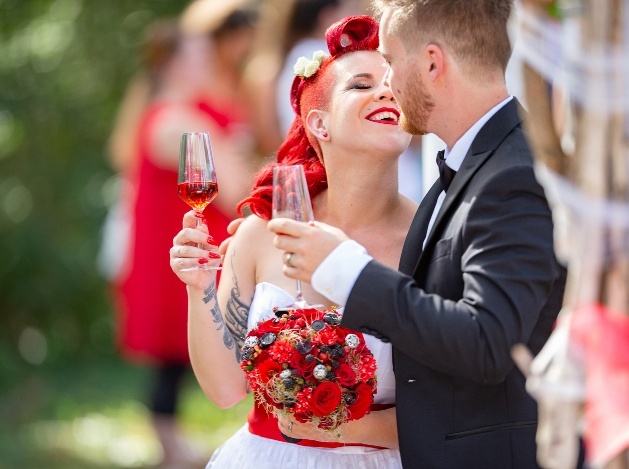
[{"x": 446, "y": 173}]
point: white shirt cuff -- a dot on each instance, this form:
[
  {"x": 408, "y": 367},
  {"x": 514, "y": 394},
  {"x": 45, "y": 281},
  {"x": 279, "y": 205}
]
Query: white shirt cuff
[{"x": 336, "y": 275}]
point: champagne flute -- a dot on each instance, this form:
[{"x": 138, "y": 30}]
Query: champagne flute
[
  {"x": 197, "y": 185},
  {"x": 292, "y": 200}
]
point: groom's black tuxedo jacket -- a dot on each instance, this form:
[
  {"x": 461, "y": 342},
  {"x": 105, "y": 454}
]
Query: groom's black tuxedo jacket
[{"x": 487, "y": 279}]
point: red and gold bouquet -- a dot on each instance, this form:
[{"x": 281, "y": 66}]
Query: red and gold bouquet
[{"x": 305, "y": 364}]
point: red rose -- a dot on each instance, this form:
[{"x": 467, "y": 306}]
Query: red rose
[
  {"x": 263, "y": 356},
  {"x": 325, "y": 398},
  {"x": 345, "y": 375},
  {"x": 268, "y": 369},
  {"x": 364, "y": 399},
  {"x": 303, "y": 366},
  {"x": 311, "y": 314},
  {"x": 270, "y": 325}
]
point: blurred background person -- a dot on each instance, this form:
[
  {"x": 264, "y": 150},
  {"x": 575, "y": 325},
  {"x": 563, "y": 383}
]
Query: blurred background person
[
  {"x": 304, "y": 33},
  {"x": 288, "y": 29},
  {"x": 190, "y": 82}
]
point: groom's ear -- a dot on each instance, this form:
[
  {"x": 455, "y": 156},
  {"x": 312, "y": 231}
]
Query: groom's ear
[
  {"x": 316, "y": 122},
  {"x": 433, "y": 58}
]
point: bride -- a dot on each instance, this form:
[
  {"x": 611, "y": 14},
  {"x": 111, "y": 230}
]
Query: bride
[{"x": 346, "y": 135}]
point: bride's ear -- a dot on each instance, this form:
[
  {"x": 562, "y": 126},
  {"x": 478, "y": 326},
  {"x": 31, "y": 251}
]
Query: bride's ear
[{"x": 316, "y": 122}]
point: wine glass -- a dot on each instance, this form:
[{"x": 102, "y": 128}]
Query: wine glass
[
  {"x": 292, "y": 200},
  {"x": 196, "y": 184}
]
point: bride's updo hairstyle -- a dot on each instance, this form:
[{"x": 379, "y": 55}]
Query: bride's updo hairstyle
[{"x": 311, "y": 90}]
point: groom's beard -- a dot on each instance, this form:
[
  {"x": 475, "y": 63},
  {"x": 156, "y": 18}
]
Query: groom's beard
[{"x": 417, "y": 106}]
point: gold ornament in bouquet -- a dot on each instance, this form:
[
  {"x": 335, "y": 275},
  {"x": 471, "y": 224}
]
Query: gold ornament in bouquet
[{"x": 304, "y": 364}]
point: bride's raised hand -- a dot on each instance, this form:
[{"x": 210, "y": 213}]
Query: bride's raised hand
[{"x": 193, "y": 246}]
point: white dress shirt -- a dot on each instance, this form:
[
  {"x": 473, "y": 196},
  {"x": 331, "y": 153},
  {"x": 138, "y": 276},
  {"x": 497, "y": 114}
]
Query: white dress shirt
[{"x": 336, "y": 275}]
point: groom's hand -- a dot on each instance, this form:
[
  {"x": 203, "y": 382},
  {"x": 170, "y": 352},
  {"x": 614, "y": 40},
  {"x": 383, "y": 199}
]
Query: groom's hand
[{"x": 305, "y": 245}]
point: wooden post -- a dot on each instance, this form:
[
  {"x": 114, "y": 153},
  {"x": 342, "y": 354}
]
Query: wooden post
[{"x": 597, "y": 166}]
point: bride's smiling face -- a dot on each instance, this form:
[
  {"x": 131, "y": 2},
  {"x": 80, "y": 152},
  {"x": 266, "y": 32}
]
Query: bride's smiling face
[{"x": 362, "y": 114}]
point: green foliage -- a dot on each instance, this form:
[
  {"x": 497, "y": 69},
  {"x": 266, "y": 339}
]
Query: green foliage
[
  {"x": 66, "y": 397},
  {"x": 63, "y": 67},
  {"x": 90, "y": 414}
]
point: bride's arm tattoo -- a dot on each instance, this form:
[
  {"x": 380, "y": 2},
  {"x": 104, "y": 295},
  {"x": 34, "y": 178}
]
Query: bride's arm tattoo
[
  {"x": 236, "y": 318},
  {"x": 237, "y": 314},
  {"x": 217, "y": 317}
]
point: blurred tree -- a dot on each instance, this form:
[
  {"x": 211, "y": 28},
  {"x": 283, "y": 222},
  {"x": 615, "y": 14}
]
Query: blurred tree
[{"x": 63, "y": 68}]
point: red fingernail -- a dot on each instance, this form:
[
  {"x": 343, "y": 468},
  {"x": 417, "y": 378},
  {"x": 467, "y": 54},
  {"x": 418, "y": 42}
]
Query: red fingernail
[
  {"x": 210, "y": 240},
  {"x": 198, "y": 214},
  {"x": 203, "y": 261},
  {"x": 213, "y": 255}
]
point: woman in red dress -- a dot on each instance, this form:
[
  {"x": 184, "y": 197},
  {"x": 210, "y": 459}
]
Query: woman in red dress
[{"x": 184, "y": 96}]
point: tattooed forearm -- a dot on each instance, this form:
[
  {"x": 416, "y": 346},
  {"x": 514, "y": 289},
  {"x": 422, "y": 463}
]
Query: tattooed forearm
[
  {"x": 217, "y": 317},
  {"x": 237, "y": 312},
  {"x": 210, "y": 293}
]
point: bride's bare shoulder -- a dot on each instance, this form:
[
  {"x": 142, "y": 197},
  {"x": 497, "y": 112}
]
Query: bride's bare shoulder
[
  {"x": 252, "y": 229},
  {"x": 247, "y": 246}
]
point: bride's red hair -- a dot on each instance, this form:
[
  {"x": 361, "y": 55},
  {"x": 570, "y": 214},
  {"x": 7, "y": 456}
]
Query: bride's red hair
[{"x": 351, "y": 34}]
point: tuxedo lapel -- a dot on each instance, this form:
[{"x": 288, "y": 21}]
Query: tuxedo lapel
[
  {"x": 470, "y": 165},
  {"x": 487, "y": 140},
  {"x": 417, "y": 232}
]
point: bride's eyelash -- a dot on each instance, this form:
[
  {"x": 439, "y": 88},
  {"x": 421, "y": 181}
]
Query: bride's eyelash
[{"x": 360, "y": 86}]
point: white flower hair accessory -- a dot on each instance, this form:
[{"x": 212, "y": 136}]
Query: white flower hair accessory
[{"x": 306, "y": 68}]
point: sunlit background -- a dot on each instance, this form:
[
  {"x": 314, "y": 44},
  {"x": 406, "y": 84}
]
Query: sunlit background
[{"x": 66, "y": 398}]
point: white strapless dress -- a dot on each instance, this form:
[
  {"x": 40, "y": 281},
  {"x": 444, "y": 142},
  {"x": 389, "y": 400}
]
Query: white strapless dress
[{"x": 245, "y": 450}]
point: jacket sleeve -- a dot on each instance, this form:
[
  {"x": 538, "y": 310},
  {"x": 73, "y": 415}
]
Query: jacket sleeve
[{"x": 509, "y": 275}]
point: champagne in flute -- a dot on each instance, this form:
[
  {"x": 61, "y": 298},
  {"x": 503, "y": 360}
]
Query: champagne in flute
[
  {"x": 291, "y": 199},
  {"x": 197, "y": 185},
  {"x": 197, "y": 195}
]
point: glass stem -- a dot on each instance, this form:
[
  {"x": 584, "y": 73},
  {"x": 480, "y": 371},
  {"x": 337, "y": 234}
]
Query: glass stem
[
  {"x": 199, "y": 223},
  {"x": 299, "y": 296}
]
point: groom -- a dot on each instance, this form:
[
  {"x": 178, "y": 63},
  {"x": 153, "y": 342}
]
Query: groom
[{"x": 478, "y": 271}]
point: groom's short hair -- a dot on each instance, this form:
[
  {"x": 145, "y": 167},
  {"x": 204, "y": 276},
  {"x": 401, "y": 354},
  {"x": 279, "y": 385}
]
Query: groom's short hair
[{"x": 473, "y": 31}]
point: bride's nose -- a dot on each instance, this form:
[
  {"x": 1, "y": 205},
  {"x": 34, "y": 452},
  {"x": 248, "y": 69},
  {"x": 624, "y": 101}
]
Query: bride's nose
[{"x": 384, "y": 93}]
